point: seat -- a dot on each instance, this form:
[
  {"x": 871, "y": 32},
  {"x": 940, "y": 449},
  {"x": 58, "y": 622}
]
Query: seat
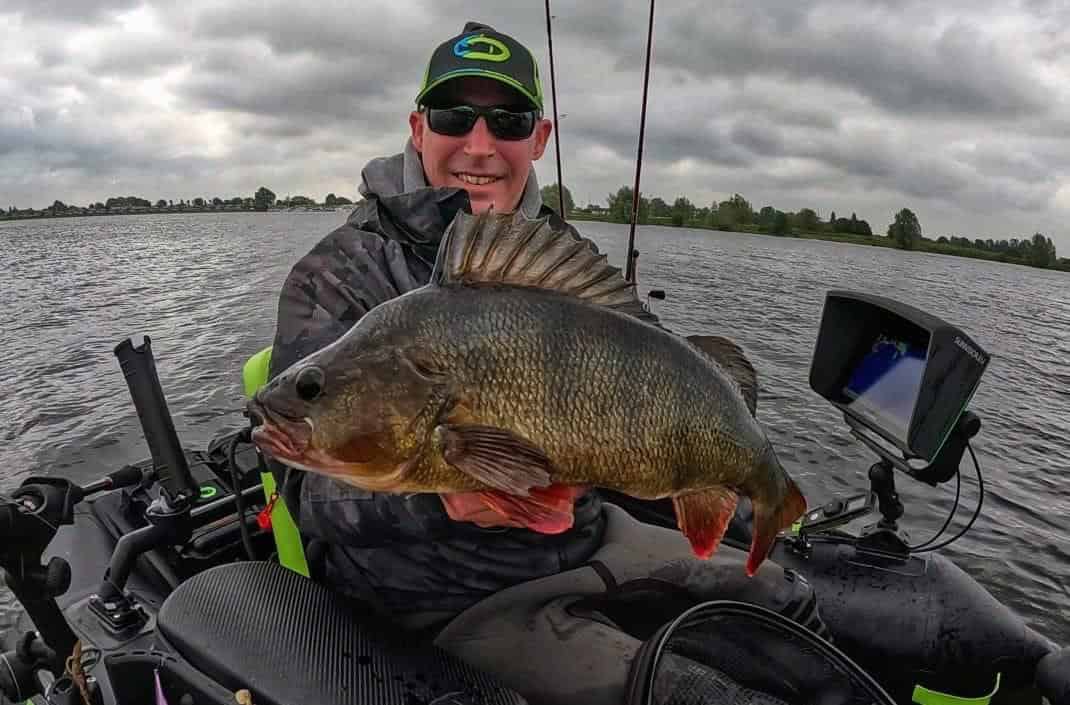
[{"x": 290, "y": 641}]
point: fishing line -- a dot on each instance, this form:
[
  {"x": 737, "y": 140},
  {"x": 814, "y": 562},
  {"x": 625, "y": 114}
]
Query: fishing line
[
  {"x": 976, "y": 512},
  {"x": 557, "y": 125}
]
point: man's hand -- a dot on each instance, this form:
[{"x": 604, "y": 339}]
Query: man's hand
[{"x": 467, "y": 506}]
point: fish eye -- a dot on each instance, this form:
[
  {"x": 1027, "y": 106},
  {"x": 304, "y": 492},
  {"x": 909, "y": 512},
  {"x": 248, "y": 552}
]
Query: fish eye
[{"x": 309, "y": 383}]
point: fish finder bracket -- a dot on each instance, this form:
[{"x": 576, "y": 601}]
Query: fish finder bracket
[{"x": 885, "y": 536}]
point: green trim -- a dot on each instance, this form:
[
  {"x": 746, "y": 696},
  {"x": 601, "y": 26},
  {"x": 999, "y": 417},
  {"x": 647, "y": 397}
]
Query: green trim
[
  {"x": 287, "y": 537},
  {"x": 208, "y": 491},
  {"x": 509, "y": 80},
  {"x": 538, "y": 81},
  {"x": 924, "y": 696},
  {"x": 254, "y": 374}
]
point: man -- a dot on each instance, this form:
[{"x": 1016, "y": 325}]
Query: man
[
  {"x": 530, "y": 608},
  {"x": 414, "y": 557}
]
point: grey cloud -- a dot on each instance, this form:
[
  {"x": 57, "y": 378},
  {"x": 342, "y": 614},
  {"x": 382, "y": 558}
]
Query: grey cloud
[
  {"x": 55, "y": 145},
  {"x": 65, "y": 11},
  {"x": 995, "y": 161},
  {"x": 308, "y": 88},
  {"x": 825, "y": 104},
  {"x": 298, "y": 28},
  {"x": 759, "y": 137},
  {"x": 675, "y": 137},
  {"x": 896, "y": 66},
  {"x": 798, "y": 116},
  {"x": 52, "y": 56},
  {"x": 136, "y": 57},
  {"x": 930, "y": 176}
]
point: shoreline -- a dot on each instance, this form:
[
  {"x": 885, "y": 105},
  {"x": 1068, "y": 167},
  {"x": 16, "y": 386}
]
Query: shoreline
[
  {"x": 98, "y": 213},
  {"x": 926, "y": 245}
]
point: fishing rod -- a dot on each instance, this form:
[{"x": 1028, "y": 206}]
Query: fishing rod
[
  {"x": 557, "y": 125},
  {"x": 630, "y": 275},
  {"x": 630, "y": 267}
]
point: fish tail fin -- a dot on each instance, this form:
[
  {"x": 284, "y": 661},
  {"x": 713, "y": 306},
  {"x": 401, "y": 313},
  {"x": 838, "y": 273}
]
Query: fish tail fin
[{"x": 773, "y": 515}]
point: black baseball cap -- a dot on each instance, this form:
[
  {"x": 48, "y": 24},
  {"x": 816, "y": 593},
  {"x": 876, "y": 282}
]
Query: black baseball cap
[{"x": 479, "y": 50}]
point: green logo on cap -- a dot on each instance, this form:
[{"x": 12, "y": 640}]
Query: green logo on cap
[{"x": 496, "y": 51}]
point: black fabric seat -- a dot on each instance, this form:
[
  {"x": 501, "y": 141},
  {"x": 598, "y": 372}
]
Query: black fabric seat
[{"x": 260, "y": 626}]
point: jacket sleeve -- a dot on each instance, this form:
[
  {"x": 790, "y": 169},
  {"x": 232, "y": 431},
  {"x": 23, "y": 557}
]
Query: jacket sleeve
[{"x": 343, "y": 277}]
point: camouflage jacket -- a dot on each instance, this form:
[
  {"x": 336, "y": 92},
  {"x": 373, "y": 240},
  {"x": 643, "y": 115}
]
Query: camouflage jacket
[{"x": 403, "y": 555}]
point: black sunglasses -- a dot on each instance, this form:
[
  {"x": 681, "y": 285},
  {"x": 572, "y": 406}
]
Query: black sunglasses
[{"x": 502, "y": 123}]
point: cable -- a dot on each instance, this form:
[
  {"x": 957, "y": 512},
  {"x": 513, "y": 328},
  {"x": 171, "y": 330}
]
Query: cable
[
  {"x": 950, "y": 516},
  {"x": 236, "y": 488},
  {"x": 976, "y": 512}
]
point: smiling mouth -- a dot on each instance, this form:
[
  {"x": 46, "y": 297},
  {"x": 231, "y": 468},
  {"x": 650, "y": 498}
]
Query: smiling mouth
[{"x": 477, "y": 179}]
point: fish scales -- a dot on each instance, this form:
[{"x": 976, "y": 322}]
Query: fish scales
[{"x": 611, "y": 400}]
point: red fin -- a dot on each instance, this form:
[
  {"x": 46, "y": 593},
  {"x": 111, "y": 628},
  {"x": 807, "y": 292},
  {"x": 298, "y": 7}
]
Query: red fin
[
  {"x": 545, "y": 510},
  {"x": 768, "y": 522},
  {"x": 703, "y": 517}
]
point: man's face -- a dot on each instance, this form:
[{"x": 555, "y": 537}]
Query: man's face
[{"x": 493, "y": 171}]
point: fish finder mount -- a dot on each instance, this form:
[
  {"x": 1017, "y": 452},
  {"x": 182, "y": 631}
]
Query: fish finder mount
[
  {"x": 903, "y": 379},
  {"x": 885, "y": 536}
]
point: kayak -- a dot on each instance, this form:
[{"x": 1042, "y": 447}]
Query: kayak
[{"x": 181, "y": 579}]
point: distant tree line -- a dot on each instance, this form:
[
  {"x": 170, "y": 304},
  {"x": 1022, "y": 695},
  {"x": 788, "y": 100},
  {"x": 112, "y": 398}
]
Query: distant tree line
[
  {"x": 263, "y": 199},
  {"x": 1035, "y": 251},
  {"x": 737, "y": 214}
]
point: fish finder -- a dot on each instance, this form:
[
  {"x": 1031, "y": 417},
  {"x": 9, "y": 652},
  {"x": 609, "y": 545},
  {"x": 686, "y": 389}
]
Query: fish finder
[{"x": 896, "y": 371}]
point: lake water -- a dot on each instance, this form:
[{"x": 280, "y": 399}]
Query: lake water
[{"x": 204, "y": 287}]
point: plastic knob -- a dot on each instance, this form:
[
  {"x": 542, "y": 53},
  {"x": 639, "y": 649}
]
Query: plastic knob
[{"x": 57, "y": 577}]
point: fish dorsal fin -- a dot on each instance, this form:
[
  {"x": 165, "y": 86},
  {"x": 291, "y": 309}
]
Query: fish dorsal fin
[
  {"x": 512, "y": 249},
  {"x": 734, "y": 362}
]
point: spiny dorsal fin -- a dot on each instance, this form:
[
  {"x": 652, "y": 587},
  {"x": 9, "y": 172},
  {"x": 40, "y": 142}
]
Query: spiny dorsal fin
[
  {"x": 503, "y": 248},
  {"x": 733, "y": 361}
]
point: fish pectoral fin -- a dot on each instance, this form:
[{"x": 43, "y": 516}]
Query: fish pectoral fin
[
  {"x": 545, "y": 510},
  {"x": 496, "y": 457},
  {"x": 731, "y": 357},
  {"x": 703, "y": 517}
]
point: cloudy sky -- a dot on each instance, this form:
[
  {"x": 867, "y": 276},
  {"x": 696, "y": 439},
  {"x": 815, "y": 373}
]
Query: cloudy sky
[{"x": 957, "y": 110}]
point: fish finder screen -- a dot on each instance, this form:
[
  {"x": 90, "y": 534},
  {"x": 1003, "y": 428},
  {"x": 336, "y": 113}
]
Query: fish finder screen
[{"x": 884, "y": 386}]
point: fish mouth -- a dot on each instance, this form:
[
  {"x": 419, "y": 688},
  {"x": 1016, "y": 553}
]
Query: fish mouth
[{"x": 283, "y": 437}]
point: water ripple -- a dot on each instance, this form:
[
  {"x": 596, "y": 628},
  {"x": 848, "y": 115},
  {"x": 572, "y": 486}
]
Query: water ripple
[{"x": 204, "y": 288}]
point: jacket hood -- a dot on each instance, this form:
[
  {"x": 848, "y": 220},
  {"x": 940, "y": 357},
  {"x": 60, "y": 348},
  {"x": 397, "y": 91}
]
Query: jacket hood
[{"x": 410, "y": 211}]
